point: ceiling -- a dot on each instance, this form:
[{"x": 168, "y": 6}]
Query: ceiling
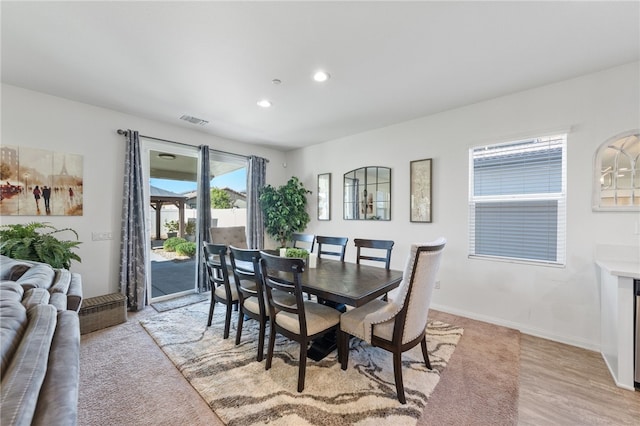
[{"x": 389, "y": 61}]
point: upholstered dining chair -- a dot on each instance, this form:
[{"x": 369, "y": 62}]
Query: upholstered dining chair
[
  {"x": 400, "y": 323},
  {"x": 301, "y": 321},
  {"x": 229, "y": 236},
  {"x": 251, "y": 300},
  {"x": 305, "y": 241},
  {"x": 215, "y": 258},
  {"x": 338, "y": 246},
  {"x": 365, "y": 249}
]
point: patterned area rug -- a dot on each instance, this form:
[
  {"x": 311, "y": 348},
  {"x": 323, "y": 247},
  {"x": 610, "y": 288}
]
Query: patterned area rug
[
  {"x": 241, "y": 392},
  {"x": 180, "y": 302}
]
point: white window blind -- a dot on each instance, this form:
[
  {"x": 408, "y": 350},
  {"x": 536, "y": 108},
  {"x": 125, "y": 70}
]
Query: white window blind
[{"x": 517, "y": 200}]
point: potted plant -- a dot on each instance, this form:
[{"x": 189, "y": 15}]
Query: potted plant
[
  {"x": 35, "y": 241},
  {"x": 190, "y": 230},
  {"x": 172, "y": 227},
  {"x": 297, "y": 252},
  {"x": 284, "y": 210}
]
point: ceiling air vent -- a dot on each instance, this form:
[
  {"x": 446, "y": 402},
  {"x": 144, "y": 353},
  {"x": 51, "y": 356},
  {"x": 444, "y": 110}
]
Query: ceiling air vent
[{"x": 194, "y": 120}]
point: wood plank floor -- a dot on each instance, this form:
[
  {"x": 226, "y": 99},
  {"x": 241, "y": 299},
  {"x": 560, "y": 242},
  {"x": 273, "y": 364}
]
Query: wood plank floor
[{"x": 566, "y": 385}]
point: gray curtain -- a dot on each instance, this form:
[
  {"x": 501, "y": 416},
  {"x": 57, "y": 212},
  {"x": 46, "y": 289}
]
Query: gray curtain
[
  {"x": 133, "y": 249},
  {"x": 255, "y": 222},
  {"x": 204, "y": 215}
]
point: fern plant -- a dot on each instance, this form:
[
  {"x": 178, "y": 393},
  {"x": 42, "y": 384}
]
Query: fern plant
[{"x": 36, "y": 241}]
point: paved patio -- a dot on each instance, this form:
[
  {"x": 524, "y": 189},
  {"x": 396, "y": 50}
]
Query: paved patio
[{"x": 171, "y": 276}]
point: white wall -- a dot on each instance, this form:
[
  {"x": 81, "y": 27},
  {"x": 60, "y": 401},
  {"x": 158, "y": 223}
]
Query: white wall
[
  {"x": 37, "y": 120},
  {"x": 557, "y": 303}
]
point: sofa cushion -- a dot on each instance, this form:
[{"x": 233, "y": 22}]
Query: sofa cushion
[
  {"x": 13, "y": 321},
  {"x": 40, "y": 276},
  {"x": 11, "y": 290},
  {"x": 58, "y": 400},
  {"x": 35, "y": 296},
  {"x": 24, "y": 377},
  {"x": 61, "y": 281}
]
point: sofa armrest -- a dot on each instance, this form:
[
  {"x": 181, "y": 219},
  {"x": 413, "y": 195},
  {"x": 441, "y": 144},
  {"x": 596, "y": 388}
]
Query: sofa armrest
[
  {"x": 74, "y": 294},
  {"x": 58, "y": 400},
  {"x": 23, "y": 379}
]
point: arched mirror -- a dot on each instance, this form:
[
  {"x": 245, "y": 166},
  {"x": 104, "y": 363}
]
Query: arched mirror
[
  {"x": 367, "y": 194},
  {"x": 616, "y": 184}
]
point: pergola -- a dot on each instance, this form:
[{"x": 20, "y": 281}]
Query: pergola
[{"x": 160, "y": 197}]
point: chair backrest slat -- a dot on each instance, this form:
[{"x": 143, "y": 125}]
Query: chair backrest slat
[
  {"x": 386, "y": 245},
  {"x": 246, "y": 269},
  {"x": 215, "y": 258},
  {"x": 308, "y": 240},
  {"x": 283, "y": 274},
  {"x": 341, "y": 242}
]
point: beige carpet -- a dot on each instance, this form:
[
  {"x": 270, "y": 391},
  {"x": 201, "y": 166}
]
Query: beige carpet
[
  {"x": 242, "y": 393},
  {"x": 125, "y": 379}
]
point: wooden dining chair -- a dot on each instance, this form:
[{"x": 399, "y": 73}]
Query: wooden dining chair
[
  {"x": 400, "y": 323},
  {"x": 301, "y": 321},
  {"x": 215, "y": 258},
  {"x": 339, "y": 242},
  {"x": 229, "y": 236},
  {"x": 251, "y": 300},
  {"x": 305, "y": 241},
  {"x": 365, "y": 249}
]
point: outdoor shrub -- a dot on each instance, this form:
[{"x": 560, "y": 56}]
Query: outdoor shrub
[
  {"x": 186, "y": 249},
  {"x": 171, "y": 243}
]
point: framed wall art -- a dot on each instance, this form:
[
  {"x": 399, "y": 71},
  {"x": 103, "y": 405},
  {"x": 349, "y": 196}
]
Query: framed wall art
[
  {"x": 324, "y": 196},
  {"x": 39, "y": 182},
  {"x": 420, "y": 190}
]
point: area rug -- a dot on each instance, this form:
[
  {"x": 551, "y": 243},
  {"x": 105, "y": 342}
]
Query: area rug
[
  {"x": 180, "y": 302},
  {"x": 241, "y": 392}
]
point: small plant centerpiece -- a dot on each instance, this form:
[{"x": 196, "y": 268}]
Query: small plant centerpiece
[
  {"x": 297, "y": 252},
  {"x": 284, "y": 209},
  {"x": 36, "y": 241}
]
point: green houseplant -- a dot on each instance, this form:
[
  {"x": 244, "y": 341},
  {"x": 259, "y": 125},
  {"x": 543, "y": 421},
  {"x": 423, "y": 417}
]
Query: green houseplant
[
  {"x": 284, "y": 209},
  {"x": 36, "y": 241}
]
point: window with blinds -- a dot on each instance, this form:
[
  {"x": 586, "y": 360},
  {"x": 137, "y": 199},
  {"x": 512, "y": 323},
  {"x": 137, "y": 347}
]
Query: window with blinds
[{"x": 517, "y": 200}]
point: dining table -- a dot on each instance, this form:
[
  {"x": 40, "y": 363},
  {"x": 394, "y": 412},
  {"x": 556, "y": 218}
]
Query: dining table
[{"x": 340, "y": 284}]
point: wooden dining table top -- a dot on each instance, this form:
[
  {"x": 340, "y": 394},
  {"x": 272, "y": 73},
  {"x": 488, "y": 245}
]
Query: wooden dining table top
[
  {"x": 349, "y": 283},
  {"x": 343, "y": 282}
]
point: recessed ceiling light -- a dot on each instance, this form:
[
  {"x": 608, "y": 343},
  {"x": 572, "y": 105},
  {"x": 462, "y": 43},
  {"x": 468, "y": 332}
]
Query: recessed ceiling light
[
  {"x": 167, "y": 156},
  {"x": 264, "y": 103},
  {"x": 321, "y": 76}
]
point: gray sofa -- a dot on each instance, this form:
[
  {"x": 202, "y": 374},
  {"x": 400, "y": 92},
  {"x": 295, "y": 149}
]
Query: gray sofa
[{"x": 39, "y": 343}]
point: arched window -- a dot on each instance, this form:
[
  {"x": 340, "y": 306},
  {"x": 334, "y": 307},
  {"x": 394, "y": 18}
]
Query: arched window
[{"x": 616, "y": 183}]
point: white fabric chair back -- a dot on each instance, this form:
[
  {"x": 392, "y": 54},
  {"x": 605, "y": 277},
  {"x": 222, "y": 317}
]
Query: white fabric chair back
[{"x": 419, "y": 277}]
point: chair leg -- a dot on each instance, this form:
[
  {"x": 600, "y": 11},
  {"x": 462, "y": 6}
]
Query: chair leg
[
  {"x": 425, "y": 353},
  {"x": 263, "y": 327},
  {"x": 239, "y": 330},
  {"x": 272, "y": 340},
  {"x": 227, "y": 322},
  {"x": 302, "y": 366},
  {"x": 213, "y": 302},
  {"x": 343, "y": 349},
  {"x": 397, "y": 372}
]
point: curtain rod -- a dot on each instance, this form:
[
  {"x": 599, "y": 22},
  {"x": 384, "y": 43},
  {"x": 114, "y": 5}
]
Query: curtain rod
[{"x": 124, "y": 132}]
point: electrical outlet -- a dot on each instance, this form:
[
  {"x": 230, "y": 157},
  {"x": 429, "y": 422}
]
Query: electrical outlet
[{"x": 438, "y": 285}]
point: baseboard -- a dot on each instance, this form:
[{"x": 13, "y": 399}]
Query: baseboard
[{"x": 522, "y": 328}]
